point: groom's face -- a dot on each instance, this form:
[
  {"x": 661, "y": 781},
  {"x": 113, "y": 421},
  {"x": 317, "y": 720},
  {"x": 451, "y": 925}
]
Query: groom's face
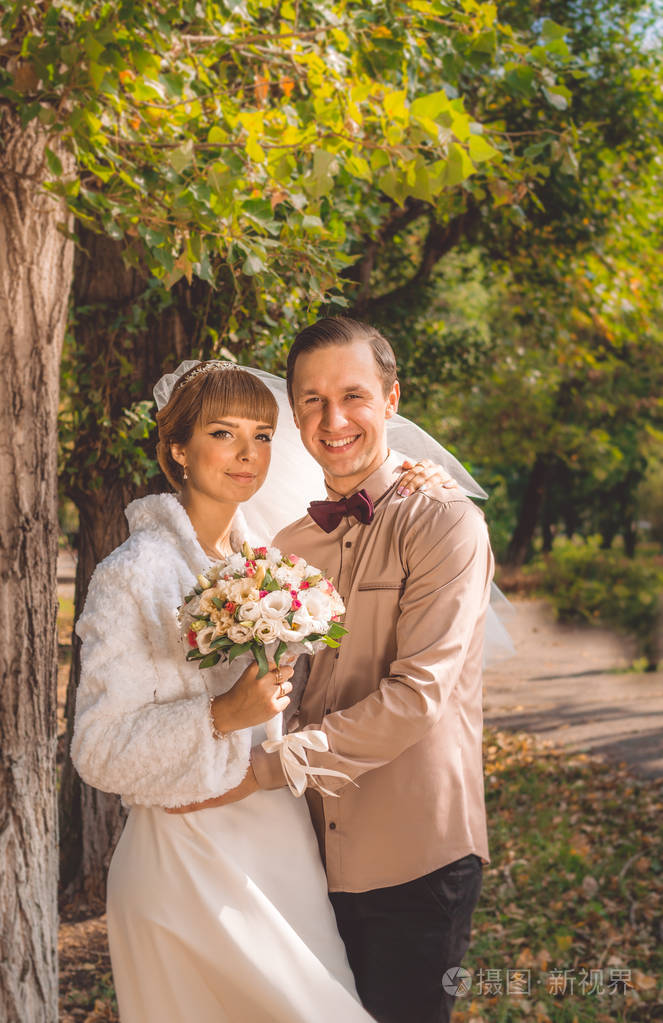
[{"x": 341, "y": 410}]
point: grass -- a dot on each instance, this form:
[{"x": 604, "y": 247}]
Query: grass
[{"x": 575, "y": 883}]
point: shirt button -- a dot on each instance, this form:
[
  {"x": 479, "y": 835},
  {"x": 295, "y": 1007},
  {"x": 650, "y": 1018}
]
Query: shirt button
[
  {"x": 337, "y": 655},
  {"x": 348, "y": 543},
  {"x": 328, "y": 710},
  {"x": 332, "y": 826}
]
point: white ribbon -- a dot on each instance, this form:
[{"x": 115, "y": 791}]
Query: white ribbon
[{"x": 294, "y": 760}]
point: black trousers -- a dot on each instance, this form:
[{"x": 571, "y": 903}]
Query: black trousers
[{"x": 401, "y": 940}]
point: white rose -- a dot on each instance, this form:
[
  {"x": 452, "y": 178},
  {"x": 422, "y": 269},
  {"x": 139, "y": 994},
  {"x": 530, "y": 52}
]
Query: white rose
[
  {"x": 242, "y": 632},
  {"x": 308, "y": 624},
  {"x": 287, "y": 634},
  {"x": 205, "y": 637},
  {"x": 286, "y": 576},
  {"x": 265, "y": 631},
  {"x": 275, "y": 605},
  {"x": 274, "y": 555},
  {"x": 316, "y": 603},
  {"x": 250, "y": 612},
  {"x": 242, "y": 591},
  {"x": 235, "y": 563}
]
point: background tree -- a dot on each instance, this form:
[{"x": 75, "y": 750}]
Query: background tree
[
  {"x": 532, "y": 338},
  {"x": 35, "y": 276}
]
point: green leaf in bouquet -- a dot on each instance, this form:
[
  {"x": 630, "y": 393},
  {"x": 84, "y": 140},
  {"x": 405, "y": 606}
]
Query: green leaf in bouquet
[
  {"x": 261, "y": 658},
  {"x": 330, "y": 642},
  {"x": 221, "y": 643},
  {"x": 280, "y": 650},
  {"x": 209, "y": 660},
  {"x": 189, "y": 597},
  {"x": 236, "y": 649},
  {"x": 269, "y": 582},
  {"x": 194, "y": 655},
  {"x": 218, "y": 603},
  {"x": 337, "y": 631}
]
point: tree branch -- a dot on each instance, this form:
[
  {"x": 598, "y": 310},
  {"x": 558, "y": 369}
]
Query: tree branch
[
  {"x": 441, "y": 238},
  {"x": 398, "y": 218}
]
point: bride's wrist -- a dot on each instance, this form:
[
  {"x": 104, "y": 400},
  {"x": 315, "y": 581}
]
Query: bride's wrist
[{"x": 218, "y": 719}]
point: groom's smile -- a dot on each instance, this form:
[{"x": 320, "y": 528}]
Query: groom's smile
[
  {"x": 344, "y": 443},
  {"x": 341, "y": 409}
]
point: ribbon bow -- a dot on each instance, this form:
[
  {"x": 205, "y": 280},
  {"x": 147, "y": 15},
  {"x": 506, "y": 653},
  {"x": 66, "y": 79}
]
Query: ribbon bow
[
  {"x": 294, "y": 761},
  {"x": 328, "y": 514}
]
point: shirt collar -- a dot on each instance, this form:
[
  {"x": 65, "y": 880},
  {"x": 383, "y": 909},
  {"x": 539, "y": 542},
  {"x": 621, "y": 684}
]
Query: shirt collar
[{"x": 378, "y": 483}]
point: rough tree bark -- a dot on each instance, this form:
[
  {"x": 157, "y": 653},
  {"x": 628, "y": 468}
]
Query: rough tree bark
[
  {"x": 91, "y": 821},
  {"x": 35, "y": 279}
]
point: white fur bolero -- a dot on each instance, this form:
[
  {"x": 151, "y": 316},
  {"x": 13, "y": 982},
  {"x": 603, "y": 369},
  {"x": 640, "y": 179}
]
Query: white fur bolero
[{"x": 142, "y": 726}]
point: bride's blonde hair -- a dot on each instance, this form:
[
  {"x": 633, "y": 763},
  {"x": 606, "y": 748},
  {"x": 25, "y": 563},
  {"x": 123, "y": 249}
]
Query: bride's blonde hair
[{"x": 206, "y": 393}]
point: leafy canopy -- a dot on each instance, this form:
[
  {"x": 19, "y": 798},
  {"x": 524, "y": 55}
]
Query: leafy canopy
[{"x": 210, "y": 133}]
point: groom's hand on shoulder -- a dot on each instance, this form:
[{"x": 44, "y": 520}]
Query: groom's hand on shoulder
[{"x": 246, "y": 787}]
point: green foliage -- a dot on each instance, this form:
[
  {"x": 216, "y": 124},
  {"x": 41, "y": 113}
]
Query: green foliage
[
  {"x": 587, "y": 583},
  {"x": 223, "y": 133}
]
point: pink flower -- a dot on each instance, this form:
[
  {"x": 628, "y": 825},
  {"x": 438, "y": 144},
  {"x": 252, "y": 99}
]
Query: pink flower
[
  {"x": 263, "y": 593},
  {"x": 294, "y": 558},
  {"x": 230, "y": 607},
  {"x": 328, "y": 585},
  {"x": 191, "y": 636},
  {"x": 260, "y": 552},
  {"x": 296, "y": 604},
  {"x": 305, "y": 585}
]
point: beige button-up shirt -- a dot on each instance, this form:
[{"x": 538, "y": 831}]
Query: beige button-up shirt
[{"x": 401, "y": 700}]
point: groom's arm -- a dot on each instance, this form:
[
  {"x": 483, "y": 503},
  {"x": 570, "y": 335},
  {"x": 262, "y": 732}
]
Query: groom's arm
[{"x": 450, "y": 566}]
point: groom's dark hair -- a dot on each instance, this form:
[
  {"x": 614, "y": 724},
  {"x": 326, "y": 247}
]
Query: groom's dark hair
[{"x": 341, "y": 330}]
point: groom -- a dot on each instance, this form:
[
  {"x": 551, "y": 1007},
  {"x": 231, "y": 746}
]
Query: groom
[{"x": 400, "y": 701}]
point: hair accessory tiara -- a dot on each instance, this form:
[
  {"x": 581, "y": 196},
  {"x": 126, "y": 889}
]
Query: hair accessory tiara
[{"x": 164, "y": 387}]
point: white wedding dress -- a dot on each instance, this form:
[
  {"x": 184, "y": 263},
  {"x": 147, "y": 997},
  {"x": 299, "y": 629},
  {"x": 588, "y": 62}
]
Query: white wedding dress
[
  {"x": 223, "y": 915},
  {"x": 215, "y": 916}
]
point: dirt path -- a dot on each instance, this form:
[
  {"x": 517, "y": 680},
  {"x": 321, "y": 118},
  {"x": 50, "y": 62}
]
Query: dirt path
[{"x": 565, "y": 684}]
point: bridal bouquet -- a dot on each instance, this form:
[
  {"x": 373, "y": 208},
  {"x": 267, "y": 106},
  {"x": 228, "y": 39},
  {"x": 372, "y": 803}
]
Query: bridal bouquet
[
  {"x": 270, "y": 605},
  {"x": 262, "y": 602}
]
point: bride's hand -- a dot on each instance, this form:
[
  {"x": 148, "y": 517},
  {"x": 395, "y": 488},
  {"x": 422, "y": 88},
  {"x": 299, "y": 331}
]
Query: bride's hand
[
  {"x": 252, "y": 700},
  {"x": 422, "y": 474}
]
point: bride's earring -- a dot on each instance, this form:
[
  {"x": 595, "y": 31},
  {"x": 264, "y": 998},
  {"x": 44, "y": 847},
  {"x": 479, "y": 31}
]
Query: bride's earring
[{"x": 185, "y": 474}]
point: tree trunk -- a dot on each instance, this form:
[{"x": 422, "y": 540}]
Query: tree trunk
[
  {"x": 90, "y": 821},
  {"x": 107, "y": 293},
  {"x": 35, "y": 280},
  {"x": 529, "y": 514}
]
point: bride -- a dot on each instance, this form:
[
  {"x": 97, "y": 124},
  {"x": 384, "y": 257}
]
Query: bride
[{"x": 221, "y": 915}]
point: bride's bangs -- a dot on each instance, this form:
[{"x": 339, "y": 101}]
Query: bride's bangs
[{"x": 235, "y": 392}]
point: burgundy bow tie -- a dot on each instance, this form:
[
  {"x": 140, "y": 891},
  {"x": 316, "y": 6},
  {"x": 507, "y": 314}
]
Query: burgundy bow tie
[{"x": 328, "y": 514}]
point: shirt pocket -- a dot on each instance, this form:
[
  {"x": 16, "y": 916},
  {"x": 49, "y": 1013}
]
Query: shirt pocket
[
  {"x": 376, "y": 611},
  {"x": 383, "y": 584}
]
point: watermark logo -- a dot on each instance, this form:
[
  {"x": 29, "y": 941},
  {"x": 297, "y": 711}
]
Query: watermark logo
[
  {"x": 492, "y": 983},
  {"x": 457, "y": 981}
]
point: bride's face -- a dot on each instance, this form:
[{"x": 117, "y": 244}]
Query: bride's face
[{"x": 226, "y": 459}]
